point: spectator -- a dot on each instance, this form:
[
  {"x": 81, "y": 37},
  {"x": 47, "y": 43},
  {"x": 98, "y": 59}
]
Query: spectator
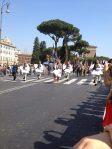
[{"x": 102, "y": 140}]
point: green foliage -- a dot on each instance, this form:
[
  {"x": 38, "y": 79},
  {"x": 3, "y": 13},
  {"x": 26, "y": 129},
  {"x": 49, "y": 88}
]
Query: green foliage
[
  {"x": 36, "y": 51},
  {"x": 59, "y": 29},
  {"x": 42, "y": 46},
  {"x": 81, "y": 47},
  {"x": 62, "y": 54},
  {"x": 44, "y": 53},
  {"x": 54, "y": 27},
  {"x": 70, "y": 33},
  {"x": 36, "y": 44},
  {"x": 103, "y": 58}
]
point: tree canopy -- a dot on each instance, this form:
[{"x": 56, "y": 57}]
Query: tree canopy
[
  {"x": 42, "y": 46},
  {"x": 81, "y": 47},
  {"x": 57, "y": 29},
  {"x": 36, "y": 51}
]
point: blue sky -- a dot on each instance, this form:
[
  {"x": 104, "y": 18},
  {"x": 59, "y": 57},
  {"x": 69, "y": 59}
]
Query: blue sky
[{"x": 92, "y": 17}]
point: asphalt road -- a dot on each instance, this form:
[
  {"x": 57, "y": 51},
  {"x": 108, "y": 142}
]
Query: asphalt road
[{"x": 39, "y": 115}]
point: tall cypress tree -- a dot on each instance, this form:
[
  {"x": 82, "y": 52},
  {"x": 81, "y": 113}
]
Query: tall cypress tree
[
  {"x": 36, "y": 51},
  {"x": 42, "y": 46}
]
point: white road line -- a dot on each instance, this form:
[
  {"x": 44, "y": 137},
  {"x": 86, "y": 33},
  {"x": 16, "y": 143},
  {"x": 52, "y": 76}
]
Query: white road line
[
  {"x": 91, "y": 82},
  {"x": 6, "y": 80},
  {"x": 41, "y": 80},
  {"x": 30, "y": 80},
  {"x": 20, "y": 87},
  {"x": 15, "y": 88},
  {"x": 60, "y": 81},
  {"x": 81, "y": 82},
  {"x": 48, "y": 81},
  {"x": 70, "y": 81}
]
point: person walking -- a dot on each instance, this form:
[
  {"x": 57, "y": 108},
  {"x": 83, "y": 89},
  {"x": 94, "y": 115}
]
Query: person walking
[
  {"x": 97, "y": 71},
  {"x": 14, "y": 71},
  {"x": 25, "y": 70},
  {"x": 57, "y": 73}
]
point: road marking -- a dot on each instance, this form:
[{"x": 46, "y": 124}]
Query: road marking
[
  {"x": 48, "y": 81},
  {"x": 41, "y": 80},
  {"x": 64, "y": 79},
  {"x": 6, "y": 80},
  {"x": 20, "y": 87},
  {"x": 91, "y": 82},
  {"x": 81, "y": 82},
  {"x": 30, "y": 80},
  {"x": 70, "y": 81}
]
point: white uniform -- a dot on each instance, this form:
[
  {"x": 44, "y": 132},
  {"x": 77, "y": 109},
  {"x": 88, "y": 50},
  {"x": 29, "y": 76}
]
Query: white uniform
[
  {"x": 98, "y": 71},
  {"x": 68, "y": 69},
  {"x": 25, "y": 70},
  {"x": 58, "y": 71},
  {"x": 39, "y": 70}
]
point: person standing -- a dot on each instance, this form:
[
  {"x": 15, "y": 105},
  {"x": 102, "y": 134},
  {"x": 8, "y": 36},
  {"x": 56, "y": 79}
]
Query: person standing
[
  {"x": 14, "y": 71},
  {"x": 108, "y": 74}
]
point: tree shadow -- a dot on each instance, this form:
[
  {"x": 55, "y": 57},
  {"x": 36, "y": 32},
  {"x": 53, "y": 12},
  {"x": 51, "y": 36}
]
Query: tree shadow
[{"x": 84, "y": 120}]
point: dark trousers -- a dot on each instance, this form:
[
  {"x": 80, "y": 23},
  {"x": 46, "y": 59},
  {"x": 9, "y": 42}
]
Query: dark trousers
[
  {"x": 78, "y": 72},
  {"x": 14, "y": 75}
]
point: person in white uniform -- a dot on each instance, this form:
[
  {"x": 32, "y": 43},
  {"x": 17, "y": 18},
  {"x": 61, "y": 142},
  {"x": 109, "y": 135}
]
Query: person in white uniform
[
  {"x": 97, "y": 71},
  {"x": 39, "y": 70},
  {"x": 57, "y": 73},
  {"x": 25, "y": 71},
  {"x": 67, "y": 70}
]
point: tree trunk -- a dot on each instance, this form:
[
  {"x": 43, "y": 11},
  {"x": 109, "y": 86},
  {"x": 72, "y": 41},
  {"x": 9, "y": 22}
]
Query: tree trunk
[
  {"x": 56, "y": 56},
  {"x": 66, "y": 50}
]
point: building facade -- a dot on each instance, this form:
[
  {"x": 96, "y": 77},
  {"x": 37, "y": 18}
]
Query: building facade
[
  {"x": 92, "y": 52},
  {"x": 8, "y": 52},
  {"x": 22, "y": 58}
]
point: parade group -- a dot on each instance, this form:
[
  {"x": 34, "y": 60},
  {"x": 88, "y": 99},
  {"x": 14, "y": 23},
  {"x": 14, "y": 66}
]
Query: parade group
[
  {"x": 98, "y": 69},
  {"x": 57, "y": 69}
]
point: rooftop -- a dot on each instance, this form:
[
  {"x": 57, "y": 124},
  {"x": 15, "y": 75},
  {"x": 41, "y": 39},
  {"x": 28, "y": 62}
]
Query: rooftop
[{"x": 7, "y": 41}]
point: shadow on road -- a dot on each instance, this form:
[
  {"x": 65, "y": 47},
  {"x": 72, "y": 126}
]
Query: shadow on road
[{"x": 86, "y": 121}]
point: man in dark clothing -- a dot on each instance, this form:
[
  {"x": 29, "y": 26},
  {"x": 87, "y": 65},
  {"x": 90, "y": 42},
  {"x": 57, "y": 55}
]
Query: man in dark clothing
[{"x": 14, "y": 71}]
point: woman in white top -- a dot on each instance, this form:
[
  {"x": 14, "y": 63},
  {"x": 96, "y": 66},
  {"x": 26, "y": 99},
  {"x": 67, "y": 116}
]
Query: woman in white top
[
  {"x": 57, "y": 73},
  {"x": 25, "y": 70},
  {"x": 39, "y": 70},
  {"x": 68, "y": 69},
  {"x": 97, "y": 71}
]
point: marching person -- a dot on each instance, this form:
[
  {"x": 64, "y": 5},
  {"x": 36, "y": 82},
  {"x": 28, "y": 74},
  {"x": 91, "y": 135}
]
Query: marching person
[
  {"x": 25, "y": 70},
  {"x": 68, "y": 69},
  {"x": 39, "y": 70},
  {"x": 57, "y": 73},
  {"x": 96, "y": 71}
]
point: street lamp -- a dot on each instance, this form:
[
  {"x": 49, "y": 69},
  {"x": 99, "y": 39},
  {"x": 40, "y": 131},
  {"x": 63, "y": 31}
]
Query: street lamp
[{"x": 3, "y": 5}]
